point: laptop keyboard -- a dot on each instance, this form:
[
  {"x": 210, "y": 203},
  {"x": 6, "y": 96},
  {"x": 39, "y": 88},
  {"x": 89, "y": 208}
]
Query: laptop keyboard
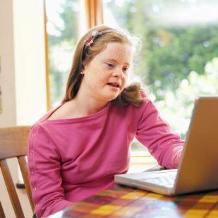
[{"x": 163, "y": 180}]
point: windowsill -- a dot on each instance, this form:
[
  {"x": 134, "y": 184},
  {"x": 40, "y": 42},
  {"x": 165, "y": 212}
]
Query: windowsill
[{"x": 141, "y": 161}]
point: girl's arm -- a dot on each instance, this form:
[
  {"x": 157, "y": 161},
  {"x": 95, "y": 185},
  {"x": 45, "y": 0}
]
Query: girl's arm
[
  {"x": 44, "y": 171},
  {"x": 156, "y": 135}
]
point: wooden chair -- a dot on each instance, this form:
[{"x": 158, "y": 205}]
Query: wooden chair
[
  {"x": 2, "y": 214},
  {"x": 13, "y": 144}
]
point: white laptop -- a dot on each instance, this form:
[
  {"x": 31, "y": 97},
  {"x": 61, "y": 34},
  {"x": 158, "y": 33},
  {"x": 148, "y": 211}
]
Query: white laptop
[{"x": 198, "y": 169}]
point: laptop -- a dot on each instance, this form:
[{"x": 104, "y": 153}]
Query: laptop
[{"x": 197, "y": 170}]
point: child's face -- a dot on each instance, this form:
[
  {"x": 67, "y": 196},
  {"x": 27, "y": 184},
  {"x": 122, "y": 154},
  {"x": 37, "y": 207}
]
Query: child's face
[{"x": 105, "y": 76}]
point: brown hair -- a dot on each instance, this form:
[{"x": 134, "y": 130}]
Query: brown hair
[{"x": 85, "y": 52}]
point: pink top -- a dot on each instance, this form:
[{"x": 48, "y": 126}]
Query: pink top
[{"x": 72, "y": 159}]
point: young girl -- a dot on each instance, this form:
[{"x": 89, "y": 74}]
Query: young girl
[{"x": 76, "y": 149}]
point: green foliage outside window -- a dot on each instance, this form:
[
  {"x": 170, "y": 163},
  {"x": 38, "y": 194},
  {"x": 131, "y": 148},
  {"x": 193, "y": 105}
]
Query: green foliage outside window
[
  {"x": 176, "y": 62},
  {"x": 173, "y": 60},
  {"x": 62, "y": 30}
]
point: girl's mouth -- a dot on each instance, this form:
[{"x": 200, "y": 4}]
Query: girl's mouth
[{"x": 116, "y": 85}]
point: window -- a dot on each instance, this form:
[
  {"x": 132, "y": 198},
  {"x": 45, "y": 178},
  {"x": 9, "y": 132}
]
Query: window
[
  {"x": 178, "y": 60},
  {"x": 62, "y": 29}
]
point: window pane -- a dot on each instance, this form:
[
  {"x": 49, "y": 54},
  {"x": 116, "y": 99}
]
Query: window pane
[
  {"x": 62, "y": 29},
  {"x": 178, "y": 60}
]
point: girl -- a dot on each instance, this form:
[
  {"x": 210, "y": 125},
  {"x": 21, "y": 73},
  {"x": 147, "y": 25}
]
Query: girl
[{"x": 76, "y": 149}]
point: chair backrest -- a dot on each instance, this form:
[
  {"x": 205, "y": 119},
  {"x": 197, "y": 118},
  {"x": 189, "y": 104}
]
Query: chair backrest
[{"x": 13, "y": 144}]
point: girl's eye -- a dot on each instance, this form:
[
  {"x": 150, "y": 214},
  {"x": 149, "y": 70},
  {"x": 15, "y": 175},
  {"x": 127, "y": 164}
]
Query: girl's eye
[
  {"x": 125, "y": 69},
  {"x": 110, "y": 65}
]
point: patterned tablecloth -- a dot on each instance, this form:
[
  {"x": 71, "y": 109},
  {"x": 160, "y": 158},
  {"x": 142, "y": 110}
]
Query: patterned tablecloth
[{"x": 125, "y": 202}]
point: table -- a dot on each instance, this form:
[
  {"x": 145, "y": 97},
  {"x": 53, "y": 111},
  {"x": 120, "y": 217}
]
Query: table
[{"x": 123, "y": 202}]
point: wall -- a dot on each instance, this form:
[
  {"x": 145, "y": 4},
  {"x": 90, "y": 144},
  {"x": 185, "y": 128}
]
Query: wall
[
  {"x": 22, "y": 54},
  {"x": 7, "y": 73},
  {"x": 22, "y": 73}
]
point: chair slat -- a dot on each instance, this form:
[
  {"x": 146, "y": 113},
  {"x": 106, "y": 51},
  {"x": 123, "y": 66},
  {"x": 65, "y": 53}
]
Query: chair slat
[
  {"x": 2, "y": 214},
  {"x": 11, "y": 189},
  {"x": 23, "y": 167}
]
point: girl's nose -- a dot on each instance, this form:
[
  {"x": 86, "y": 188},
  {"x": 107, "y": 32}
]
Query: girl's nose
[{"x": 118, "y": 72}]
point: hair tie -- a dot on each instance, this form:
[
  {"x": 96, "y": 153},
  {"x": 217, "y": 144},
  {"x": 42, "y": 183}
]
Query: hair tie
[{"x": 94, "y": 35}]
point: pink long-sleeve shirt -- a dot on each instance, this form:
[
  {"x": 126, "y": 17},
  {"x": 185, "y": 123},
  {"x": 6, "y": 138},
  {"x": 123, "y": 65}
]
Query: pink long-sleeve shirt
[{"x": 72, "y": 159}]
